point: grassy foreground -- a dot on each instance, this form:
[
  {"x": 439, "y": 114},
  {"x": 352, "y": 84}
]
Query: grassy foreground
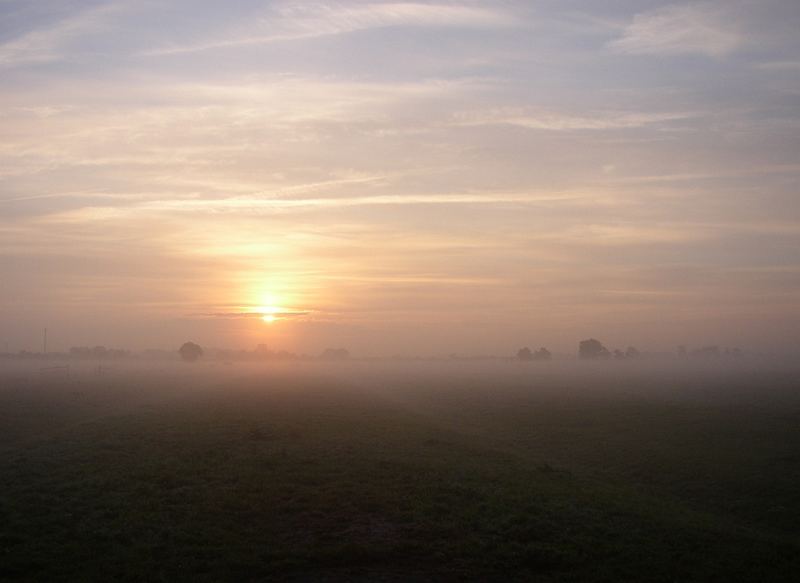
[{"x": 252, "y": 474}]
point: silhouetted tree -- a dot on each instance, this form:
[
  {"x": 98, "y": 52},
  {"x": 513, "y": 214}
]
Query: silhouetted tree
[
  {"x": 99, "y": 352},
  {"x": 707, "y": 352},
  {"x": 632, "y": 352},
  {"x": 592, "y": 349},
  {"x": 335, "y": 354},
  {"x": 542, "y": 354},
  {"x": 524, "y": 354},
  {"x": 190, "y": 352},
  {"x": 80, "y": 352},
  {"x": 262, "y": 352}
]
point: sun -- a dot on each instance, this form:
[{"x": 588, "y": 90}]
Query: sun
[
  {"x": 269, "y": 314},
  {"x": 270, "y": 308}
]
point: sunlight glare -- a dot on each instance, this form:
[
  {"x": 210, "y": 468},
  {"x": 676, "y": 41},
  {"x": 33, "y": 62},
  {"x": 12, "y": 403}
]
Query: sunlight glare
[{"x": 269, "y": 313}]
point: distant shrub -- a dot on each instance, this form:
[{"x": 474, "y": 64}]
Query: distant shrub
[
  {"x": 592, "y": 349},
  {"x": 190, "y": 352},
  {"x": 707, "y": 352},
  {"x": 335, "y": 354},
  {"x": 526, "y": 354}
]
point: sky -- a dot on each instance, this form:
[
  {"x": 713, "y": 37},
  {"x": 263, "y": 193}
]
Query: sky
[{"x": 400, "y": 177}]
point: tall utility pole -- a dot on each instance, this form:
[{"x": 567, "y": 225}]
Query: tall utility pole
[{"x": 44, "y": 343}]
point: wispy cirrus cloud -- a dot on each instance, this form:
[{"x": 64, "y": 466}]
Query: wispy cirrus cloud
[
  {"x": 288, "y": 22},
  {"x": 788, "y": 66},
  {"x": 554, "y": 120},
  {"x": 249, "y": 206},
  {"x": 245, "y": 315},
  {"x": 47, "y": 44},
  {"x": 698, "y": 28}
]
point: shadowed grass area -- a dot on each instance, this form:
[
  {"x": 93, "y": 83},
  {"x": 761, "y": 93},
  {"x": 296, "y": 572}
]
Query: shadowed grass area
[{"x": 303, "y": 478}]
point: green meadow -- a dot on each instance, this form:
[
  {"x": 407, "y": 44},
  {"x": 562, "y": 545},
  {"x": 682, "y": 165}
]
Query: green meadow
[{"x": 366, "y": 471}]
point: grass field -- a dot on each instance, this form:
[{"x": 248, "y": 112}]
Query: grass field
[{"x": 392, "y": 472}]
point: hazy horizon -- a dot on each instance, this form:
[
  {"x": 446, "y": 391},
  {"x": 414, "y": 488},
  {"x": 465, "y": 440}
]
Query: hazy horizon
[{"x": 400, "y": 177}]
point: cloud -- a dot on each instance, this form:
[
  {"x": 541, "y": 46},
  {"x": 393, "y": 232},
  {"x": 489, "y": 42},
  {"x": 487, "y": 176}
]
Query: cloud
[
  {"x": 564, "y": 121},
  {"x": 698, "y": 28},
  {"x": 47, "y": 44},
  {"x": 239, "y": 315},
  {"x": 789, "y": 66},
  {"x": 255, "y": 205},
  {"x": 289, "y": 22}
]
